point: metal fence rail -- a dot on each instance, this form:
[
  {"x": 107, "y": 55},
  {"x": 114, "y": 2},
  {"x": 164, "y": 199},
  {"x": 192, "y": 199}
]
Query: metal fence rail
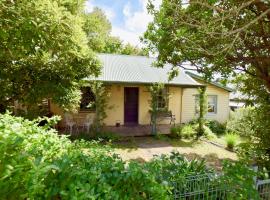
[
  {"x": 207, "y": 187},
  {"x": 199, "y": 187},
  {"x": 263, "y": 187}
]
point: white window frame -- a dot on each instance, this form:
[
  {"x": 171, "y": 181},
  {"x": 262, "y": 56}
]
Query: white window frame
[{"x": 214, "y": 104}]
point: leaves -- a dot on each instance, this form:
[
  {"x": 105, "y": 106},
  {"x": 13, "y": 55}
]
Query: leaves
[{"x": 45, "y": 52}]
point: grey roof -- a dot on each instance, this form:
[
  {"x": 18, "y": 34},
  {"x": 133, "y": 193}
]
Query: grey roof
[
  {"x": 138, "y": 70},
  {"x": 196, "y": 76}
]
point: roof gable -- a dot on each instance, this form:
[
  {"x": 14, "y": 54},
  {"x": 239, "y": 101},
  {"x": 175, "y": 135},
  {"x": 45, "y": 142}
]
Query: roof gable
[{"x": 210, "y": 82}]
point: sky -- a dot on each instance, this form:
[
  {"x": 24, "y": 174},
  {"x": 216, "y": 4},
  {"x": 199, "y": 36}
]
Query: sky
[{"x": 129, "y": 18}]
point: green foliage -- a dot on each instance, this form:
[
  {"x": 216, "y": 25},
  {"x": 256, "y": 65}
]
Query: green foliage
[
  {"x": 175, "y": 168},
  {"x": 103, "y": 136},
  {"x": 202, "y": 112},
  {"x": 175, "y": 131},
  {"x": 101, "y": 104},
  {"x": 45, "y": 52},
  {"x": 36, "y": 163},
  {"x": 231, "y": 140},
  {"x": 216, "y": 127},
  {"x": 188, "y": 131},
  {"x": 98, "y": 31},
  {"x": 97, "y": 28},
  {"x": 241, "y": 121},
  {"x": 154, "y": 92},
  {"x": 238, "y": 179},
  {"x": 201, "y": 32}
]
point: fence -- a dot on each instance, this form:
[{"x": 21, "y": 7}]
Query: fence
[
  {"x": 207, "y": 187},
  {"x": 263, "y": 187},
  {"x": 199, "y": 187}
]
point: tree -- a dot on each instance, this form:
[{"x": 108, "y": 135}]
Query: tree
[
  {"x": 215, "y": 36},
  {"x": 229, "y": 37},
  {"x": 44, "y": 52},
  {"x": 97, "y": 28}
]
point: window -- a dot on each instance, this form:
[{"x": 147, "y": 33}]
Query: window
[
  {"x": 162, "y": 99},
  {"x": 211, "y": 104},
  {"x": 87, "y": 100}
]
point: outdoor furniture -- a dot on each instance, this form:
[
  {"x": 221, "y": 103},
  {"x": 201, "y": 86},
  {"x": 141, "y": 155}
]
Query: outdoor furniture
[
  {"x": 70, "y": 123},
  {"x": 164, "y": 115}
]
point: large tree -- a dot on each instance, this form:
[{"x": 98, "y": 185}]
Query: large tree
[
  {"x": 215, "y": 36},
  {"x": 98, "y": 30},
  {"x": 44, "y": 51},
  {"x": 228, "y": 37}
]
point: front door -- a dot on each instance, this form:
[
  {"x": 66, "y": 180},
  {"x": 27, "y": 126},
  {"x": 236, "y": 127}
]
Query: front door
[{"x": 131, "y": 105}]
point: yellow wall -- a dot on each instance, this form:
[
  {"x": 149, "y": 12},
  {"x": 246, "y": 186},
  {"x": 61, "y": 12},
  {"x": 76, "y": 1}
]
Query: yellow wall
[
  {"x": 116, "y": 104},
  {"x": 115, "y": 113},
  {"x": 188, "y": 109}
]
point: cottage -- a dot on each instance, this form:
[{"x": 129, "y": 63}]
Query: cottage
[{"x": 128, "y": 78}]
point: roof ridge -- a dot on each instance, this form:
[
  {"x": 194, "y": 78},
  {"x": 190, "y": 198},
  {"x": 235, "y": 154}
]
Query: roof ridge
[{"x": 125, "y": 55}]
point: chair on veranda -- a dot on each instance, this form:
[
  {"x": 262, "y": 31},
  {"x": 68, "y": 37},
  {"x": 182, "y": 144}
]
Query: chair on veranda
[
  {"x": 88, "y": 122},
  {"x": 70, "y": 123}
]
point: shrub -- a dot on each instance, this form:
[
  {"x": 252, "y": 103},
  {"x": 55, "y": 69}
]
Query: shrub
[
  {"x": 36, "y": 163},
  {"x": 175, "y": 131},
  {"x": 104, "y": 136},
  {"x": 241, "y": 121},
  {"x": 216, "y": 127},
  {"x": 188, "y": 131},
  {"x": 208, "y": 133},
  {"x": 238, "y": 179},
  {"x": 174, "y": 167},
  {"x": 231, "y": 140}
]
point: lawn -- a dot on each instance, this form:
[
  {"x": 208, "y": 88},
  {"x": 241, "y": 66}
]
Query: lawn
[{"x": 145, "y": 148}]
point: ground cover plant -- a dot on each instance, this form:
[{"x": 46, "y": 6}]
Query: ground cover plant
[{"x": 37, "y": 163}]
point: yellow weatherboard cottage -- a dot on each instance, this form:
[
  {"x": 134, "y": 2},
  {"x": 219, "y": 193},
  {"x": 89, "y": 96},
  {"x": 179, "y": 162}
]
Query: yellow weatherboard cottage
[{"x": 128, "y": 77}]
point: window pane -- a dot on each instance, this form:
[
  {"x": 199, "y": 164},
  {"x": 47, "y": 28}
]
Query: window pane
[
  {"x": 162, "y": 99},
  {"x": 87, "y": 99},
  {"x": 212, "y": 104}
]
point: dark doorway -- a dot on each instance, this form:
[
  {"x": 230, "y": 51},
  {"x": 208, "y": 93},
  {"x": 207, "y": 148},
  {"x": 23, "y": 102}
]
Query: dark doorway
[{"x": 131, "y": 98}]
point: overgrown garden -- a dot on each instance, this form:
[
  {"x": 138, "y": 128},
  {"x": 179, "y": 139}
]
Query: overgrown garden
[{"x": 37, "y": 163}]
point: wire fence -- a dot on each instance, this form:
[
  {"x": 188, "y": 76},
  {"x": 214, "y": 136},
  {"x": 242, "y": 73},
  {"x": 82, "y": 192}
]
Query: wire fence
[
  {"x": 263, "y": 187},
  {"x": 208, "y": 187}
]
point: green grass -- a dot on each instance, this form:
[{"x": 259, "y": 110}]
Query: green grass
[
  {"x": 128, "y": 143},
  {"x": 176, "y": 142}
]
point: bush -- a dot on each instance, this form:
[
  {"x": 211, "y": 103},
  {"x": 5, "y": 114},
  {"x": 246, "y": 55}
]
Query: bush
[
  {"x": 174, "y": 168},
  {"x": 241, "y": 122},
  {"x": 208, "y": 133},
  {"x": 104, "y": 136},
  {"x": 175, "y": 131},
  {"x": 231, "y": 140},
  {"x": 188, "y": 131},
  {"x": 216, "y": 127},
  {"x": 36, "y": 163}
]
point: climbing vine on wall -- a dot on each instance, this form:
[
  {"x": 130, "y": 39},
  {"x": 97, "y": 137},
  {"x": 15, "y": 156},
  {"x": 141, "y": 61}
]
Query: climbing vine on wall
[{"x": 154, "y": 92}]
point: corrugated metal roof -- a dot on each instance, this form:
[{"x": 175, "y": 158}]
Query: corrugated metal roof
[
  {"x": 139, "y": 70},
  {"x": 212, "y": 82}
]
